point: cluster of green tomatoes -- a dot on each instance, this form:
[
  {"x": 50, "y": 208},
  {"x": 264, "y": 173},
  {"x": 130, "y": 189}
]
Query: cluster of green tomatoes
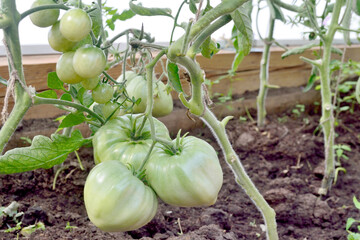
[
  {"x": 119, "y": 197},
  {"x": 121, "y": 192}
]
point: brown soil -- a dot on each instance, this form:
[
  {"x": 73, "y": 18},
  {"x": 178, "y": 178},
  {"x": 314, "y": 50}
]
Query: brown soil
[{"x": 285, "y": 161}]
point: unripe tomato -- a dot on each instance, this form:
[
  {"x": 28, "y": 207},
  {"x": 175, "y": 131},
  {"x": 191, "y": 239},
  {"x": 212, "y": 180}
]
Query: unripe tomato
[
  {"x": 109, "y": 108},
  {"x": 65, "y": 70},
  {"x": 102, "y": 93},
  {"x": 118, "y": 140},
  {"x": 90, "y": 83},
  {"x": 128, "y": 76},
  {"x": 116, "y": 200},
  {"x": 57, "y": 41},
  {"x": 192, "y": 177},
  {"x": 163, "y": 103},
  {"x": 89, "y": 61},
  {"x": 44, "y": 18},
  {"x": 75, "y": 25}
]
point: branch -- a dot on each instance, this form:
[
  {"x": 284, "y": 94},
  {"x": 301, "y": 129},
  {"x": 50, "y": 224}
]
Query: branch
[{"x": 43, "y": 7}]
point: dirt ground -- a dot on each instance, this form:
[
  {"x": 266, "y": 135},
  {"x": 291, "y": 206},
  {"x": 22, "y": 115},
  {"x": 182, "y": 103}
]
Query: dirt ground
[{"x": 285, "y": 161}]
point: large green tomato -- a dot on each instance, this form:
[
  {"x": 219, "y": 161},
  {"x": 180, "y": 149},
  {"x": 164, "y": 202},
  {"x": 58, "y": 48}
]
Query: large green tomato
[
  {"x": 65, "y": 69},
  {"x": 116, "y": 200},
  {"x": 44, "y": 18},
  {"x": 118, "y": 140},
  {"x": 163, "y": 103},
  {"x": 89, "y": 61},
  {"x": 190, "y": 178},
  {"x": 75, "y": 25},
  {"x": 57, "y": 41}
]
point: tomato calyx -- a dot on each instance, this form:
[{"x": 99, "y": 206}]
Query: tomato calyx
[{"x": 174, "y": 149}]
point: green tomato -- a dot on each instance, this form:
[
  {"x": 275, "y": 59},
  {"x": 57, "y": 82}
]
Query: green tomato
[
  {"x": 110, "y": 108},
  {"x": 102, "y": 93},
  {"x": 116, "y": 200},
  {"x": 163, "y": 103},
  {"x": 190, "y": 178},
  {"x": 128, "y": 76},
  {"x": 118, "y": 140},
  {"x": 44, "y": 18},
  {"x": 75, "y": 25},
  {"x": 89, "y": 61},
  {"x": 57, "y": 41},
  {"x": 90, "y": 83},
  {"x": 65, "y": 70}
]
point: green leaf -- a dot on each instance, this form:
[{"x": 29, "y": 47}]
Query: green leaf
[
  {"x": 298, "y": 50},
  {"x": 275, "y": 11},
  {"x": 346, "y": 22},
  {"x": 310, "y": 83},
  {"x": 349, "y": 222},
  {"x": 336, "y": 51},
  {"x": 47, "y": 94},
  {"x": 72, "y": 119},
  {"x": 125, "y": 15},
  {"x": 192, "y": 6},
  {"x": 242, "y": 21},
  {"x": 209, "y": 48},
  {"x": 356, "y": 203},
  {"x": 43, "y": 153},
  {"x": 85, "y": 98},
  {"x": 54, "y": 82},
  {"x": 173, "y": 75},
  {"x": 66, "y": 97},
  {"x": 237, "y": 60},
  {"x": 144, "y": 11}
]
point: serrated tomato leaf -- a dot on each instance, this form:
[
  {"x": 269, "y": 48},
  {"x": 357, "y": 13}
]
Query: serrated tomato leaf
[
  {"x": 173, "y": 75},
  {"x": 54, "y": 82},
  {"x": 47, "y": 94},
  {"x": 44, "y": 153},
  {"x": 209, "y": 48},
  {"x": 72, "y": 119},
  {"x": 144, "y": 11}
]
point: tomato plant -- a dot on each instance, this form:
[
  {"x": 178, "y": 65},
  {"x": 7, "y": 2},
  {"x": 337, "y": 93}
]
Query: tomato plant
[
  {"x": 163, "y": 103},
  {"x": 75, "y": 25},
  {"x": 124, "y": 140},
  {"x": 57, "y": 41},
  {"x": 116, "y": 200},
  {"x": 65, "y": 69},
  {"x": 89, "y": 61},
  {"x": 190, "y": 177},
  {"x": 44, "y": 18},
  {"x": 102, "y": 93}
]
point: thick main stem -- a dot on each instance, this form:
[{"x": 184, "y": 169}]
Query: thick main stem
[
  {"x": 22, "y": 98},
  {"x": 327, "y": 118},
  {"x": 264, "y": 75},
  {"x": 197, "y": 106},
  {"x": 240, "y": 175}
]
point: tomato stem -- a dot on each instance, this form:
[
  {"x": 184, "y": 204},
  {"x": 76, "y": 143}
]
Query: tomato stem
[
  {"x": 139, "y": 171},
  {"x": 43, "y": 7},
  {"x": 39, "y": 100},
  {"x": 264, "y": 74},
  {"x": 16, "y": 73}
]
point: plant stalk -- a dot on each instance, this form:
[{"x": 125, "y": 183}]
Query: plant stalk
[
  {"x": 264, "y": 75},
  {"x": 22, "y": 98},
  {"x": 327, "y": 118},
  {"x": 241, "y": 176}
]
